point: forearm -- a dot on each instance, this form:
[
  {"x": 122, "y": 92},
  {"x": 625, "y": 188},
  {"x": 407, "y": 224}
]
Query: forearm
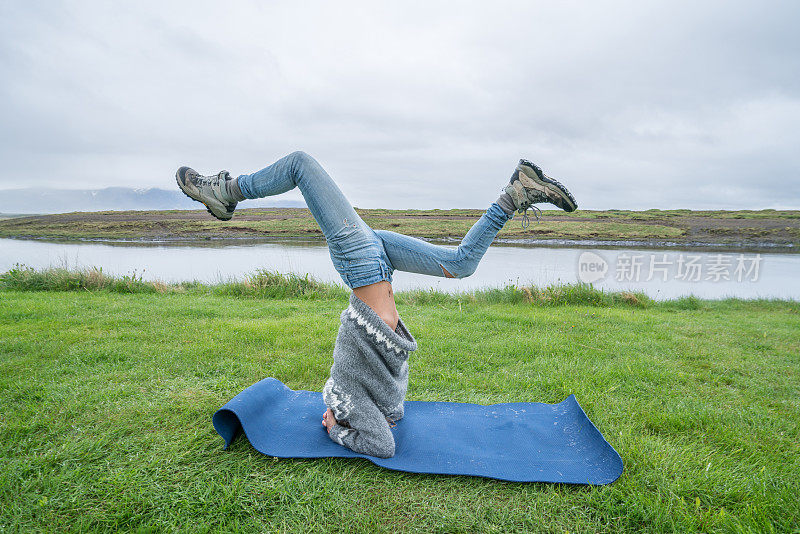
[{"x": 380, "y": 444}]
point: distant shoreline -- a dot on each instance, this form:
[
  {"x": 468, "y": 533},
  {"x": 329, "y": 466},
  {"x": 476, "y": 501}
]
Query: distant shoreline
[
  {"x": 763, "y": 247},
  {"x": 765, "y": 230}
]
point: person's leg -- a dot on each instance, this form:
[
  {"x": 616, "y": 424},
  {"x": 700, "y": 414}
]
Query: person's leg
[
  {"x": 356, "y": 251},
  {"x": 347, "y": 234},
  {"x": 528, "y": 186},
  {"x": 416, "y": 256}
]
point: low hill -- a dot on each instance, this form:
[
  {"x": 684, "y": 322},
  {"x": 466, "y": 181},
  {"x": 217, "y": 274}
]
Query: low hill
[{"x": 45, "y": 201}]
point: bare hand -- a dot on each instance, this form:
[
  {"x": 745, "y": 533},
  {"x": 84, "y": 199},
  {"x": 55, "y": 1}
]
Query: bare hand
[{"x": 328, "y": 420}]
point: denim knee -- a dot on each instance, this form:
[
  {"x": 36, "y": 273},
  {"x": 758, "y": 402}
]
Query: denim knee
[
  {"x": 460, "y": 268},
  {"x": 467, "y": 268},
  {"x": 299, "y": 159}
]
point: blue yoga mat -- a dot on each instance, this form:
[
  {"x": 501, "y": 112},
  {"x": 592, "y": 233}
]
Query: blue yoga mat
[{"x": 518, "y": 442}]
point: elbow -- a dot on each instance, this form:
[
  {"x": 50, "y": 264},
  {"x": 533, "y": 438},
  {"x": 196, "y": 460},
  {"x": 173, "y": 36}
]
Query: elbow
[
  {"x": 381, "y": 446},
  {"x": 384, "y": 448},
  {"x": 385, "y": 451}
]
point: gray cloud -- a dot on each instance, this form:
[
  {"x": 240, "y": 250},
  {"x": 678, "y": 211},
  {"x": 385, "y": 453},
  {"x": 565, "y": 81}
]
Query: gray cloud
[{"x": 631, "y": 104}]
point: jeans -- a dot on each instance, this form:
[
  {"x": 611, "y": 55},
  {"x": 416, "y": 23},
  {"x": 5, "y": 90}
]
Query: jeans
[{"x": 361, "y": 255}]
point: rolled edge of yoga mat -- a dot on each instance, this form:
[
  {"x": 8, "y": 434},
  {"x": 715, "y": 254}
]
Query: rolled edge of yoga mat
[{"x": 517, "y": 442}]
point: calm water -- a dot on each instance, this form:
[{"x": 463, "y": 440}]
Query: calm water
[{"x": 658, "y": 273}]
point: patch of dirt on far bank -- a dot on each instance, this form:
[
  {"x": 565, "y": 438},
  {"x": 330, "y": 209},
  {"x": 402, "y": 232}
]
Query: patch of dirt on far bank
[{"x": 756, "y": 228}]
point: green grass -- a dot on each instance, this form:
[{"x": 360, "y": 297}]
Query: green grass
[
  {"x": 108, "y": 390},
  {"x": 268, "y": 284}
]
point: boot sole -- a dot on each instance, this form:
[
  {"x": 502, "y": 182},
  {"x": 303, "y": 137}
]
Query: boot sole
[
  {"x": 533, "y": 172},
  {"x": 208, "y": 208}
]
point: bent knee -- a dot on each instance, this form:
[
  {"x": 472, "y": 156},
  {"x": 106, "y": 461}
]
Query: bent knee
[
  {"x": 300, "y": 155},
  {"x": 468, "y": 271},
  {"x": 299, "y": 159},
  {"x": 458, "y": 271}
]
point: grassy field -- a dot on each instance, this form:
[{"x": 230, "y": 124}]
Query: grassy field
[
  {"x": 108, "y": 387},
  {"x": 649, "y": 228}
]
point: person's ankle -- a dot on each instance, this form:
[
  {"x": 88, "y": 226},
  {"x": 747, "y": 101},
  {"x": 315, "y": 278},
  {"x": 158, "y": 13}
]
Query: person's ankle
[
  {"x": 507, "y": 204},
  {"x": 232, "y": 187}
]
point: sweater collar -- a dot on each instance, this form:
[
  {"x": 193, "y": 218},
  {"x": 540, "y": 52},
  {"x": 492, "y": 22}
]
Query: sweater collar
[{"x": 365, "y": 317}]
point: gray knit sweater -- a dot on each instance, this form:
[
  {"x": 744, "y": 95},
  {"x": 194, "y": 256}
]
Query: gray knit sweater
[{"x": 369, "y": 379}]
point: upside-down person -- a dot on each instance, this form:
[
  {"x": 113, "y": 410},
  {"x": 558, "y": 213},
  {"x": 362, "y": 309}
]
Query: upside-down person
[{"x": 369, "y": 376}]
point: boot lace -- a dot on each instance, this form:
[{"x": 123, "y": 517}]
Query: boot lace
[
  {"x": 525, "y": 219},
  {"x": 210, "y": 180}
]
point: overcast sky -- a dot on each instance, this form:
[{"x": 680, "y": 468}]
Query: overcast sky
[{"x": 632, "y": 105}]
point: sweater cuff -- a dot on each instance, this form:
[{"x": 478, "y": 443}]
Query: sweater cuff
[{"x": 338, "y": 433}]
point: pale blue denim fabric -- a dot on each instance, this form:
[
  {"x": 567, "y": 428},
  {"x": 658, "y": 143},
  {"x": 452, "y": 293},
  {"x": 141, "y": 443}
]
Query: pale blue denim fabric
[{"x": 361, "y": 255}]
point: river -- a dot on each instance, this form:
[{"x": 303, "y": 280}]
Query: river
[{"x": 660, "y": 274}]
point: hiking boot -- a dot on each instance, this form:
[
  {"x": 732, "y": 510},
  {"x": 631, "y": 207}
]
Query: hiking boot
[
  {"x": 210, "y": 190},
  {"x": 529, "y": 185}
]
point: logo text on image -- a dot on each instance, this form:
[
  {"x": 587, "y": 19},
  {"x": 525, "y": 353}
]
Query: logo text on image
[
  {"x": 688, "y": 267},
  {"x": 591, "y": 267}
]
